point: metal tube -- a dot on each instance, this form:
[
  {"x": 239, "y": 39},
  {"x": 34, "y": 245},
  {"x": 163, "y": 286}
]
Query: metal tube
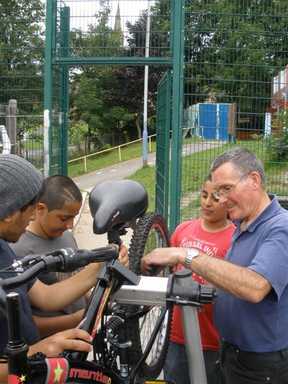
[
  {"x": 149, "y": 291},
  {"x": 145, "y": 102},
  {"x": 193, "y": 346},
  {"x": 48, "y": 83}
]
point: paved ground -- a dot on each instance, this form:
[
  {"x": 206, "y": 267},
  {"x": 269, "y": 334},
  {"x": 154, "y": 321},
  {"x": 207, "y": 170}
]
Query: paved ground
[{"x": 114, "y": 172}]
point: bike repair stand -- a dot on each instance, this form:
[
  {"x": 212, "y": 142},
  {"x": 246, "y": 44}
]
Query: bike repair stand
[
  {"x": 179, "y": 289},
  {"x": 193, "y": 343}
]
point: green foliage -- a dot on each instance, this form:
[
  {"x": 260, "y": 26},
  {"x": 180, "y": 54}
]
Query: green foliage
[
  {"x": 78, "y": 133},
  {"x": 21, "y": 53},
  {"x": 277, "y": 144},
  {"x": 110, "y": 99},
  {"x": 93, "y": 88},
  {"x": 231, "y": 50}
]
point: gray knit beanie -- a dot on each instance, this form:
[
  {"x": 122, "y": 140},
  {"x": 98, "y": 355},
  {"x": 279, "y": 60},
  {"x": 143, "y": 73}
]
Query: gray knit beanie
[{"x": 20, "y": 182}]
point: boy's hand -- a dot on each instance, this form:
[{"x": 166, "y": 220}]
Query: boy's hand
[
  {"x": 123, "y": 255},
  {"x": 72, "y": 339}
]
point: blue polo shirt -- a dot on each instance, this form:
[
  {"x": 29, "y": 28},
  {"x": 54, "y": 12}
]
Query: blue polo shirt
[
  {"x": 29, "y": 329},
  {"x": 262, "y": 247}
]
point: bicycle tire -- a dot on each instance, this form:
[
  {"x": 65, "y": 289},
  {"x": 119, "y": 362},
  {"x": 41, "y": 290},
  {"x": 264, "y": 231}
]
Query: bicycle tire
[{"x": 150, "y": 233}]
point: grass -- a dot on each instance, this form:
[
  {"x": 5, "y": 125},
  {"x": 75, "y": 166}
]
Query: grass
[
  {"x": 32, "y": 144},
  {"x": 146, "y": 176},
  {"x": 106, "y": 159}
]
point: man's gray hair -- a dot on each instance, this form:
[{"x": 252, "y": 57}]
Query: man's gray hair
[{"x": 243, "y": 160}]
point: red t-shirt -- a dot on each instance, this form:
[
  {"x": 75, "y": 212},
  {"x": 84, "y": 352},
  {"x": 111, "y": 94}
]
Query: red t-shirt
[{"x": 190, "y": 234}]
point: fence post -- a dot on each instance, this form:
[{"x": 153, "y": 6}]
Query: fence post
[
  {"x": 150, "y": 143},
  {"x": 177, "y": 41},
  {"x": 85, "y": 164},
  {"x": 11, "y": 124},
  {"x": 119, "y": 153}
]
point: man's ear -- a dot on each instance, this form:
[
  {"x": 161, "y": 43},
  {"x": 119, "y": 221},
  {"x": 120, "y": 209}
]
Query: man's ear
[
  {"x": 41, "y": 208},
  {"x": 256, "y": 179}
]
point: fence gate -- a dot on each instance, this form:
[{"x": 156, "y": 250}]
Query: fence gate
[{"x": 80, "y": 36}]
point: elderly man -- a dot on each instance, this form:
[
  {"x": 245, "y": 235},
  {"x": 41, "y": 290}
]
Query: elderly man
[{"x": 251, "y": 311}]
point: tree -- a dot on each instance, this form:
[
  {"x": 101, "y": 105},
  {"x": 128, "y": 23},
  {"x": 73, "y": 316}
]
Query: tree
[
  {"x": 101, "y": 94},
  {"x": 21, "y": 52},
  {"x": 92, "y": 86},
  {"x": 77, "y": 134},
  {"x": 233, "y": 48},
  {"x": 110, "y": 99},
  {"x": 21, "y": 59}
]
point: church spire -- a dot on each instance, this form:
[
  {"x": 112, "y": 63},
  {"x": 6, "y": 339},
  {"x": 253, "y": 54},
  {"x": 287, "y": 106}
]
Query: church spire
[{"x": 117, "y": 25}]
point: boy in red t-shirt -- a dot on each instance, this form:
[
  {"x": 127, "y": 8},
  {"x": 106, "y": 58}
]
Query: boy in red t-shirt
[{"x": 211, "y": 233}]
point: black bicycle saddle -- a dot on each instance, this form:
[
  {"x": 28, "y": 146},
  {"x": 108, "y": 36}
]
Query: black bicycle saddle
[{"x": 115, "y": 203}]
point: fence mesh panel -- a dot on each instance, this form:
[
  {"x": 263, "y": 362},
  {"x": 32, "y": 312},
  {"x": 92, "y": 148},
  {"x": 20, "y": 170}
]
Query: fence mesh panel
[
  {"x": 21, "y": 79},
  {"x": 235, "y": 89}
]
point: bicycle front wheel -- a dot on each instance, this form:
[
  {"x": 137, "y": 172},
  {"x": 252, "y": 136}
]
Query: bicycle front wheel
[{"x": 150, "y": 233}]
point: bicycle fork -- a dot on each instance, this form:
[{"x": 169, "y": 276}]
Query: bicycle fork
[{"x": 116, "y": 335}]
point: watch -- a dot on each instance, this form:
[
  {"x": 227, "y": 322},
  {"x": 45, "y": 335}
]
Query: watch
[{"x": 190, "y": 254}]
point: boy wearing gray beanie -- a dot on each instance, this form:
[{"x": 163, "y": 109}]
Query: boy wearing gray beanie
[{"x": 20, "y": 183}]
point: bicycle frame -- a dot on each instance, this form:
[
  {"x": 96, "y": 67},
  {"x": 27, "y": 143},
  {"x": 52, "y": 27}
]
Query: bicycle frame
[{"x": 73, "y": 366}]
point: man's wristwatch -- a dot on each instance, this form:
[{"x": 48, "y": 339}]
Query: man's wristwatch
[{"x": 190, "y": 254}]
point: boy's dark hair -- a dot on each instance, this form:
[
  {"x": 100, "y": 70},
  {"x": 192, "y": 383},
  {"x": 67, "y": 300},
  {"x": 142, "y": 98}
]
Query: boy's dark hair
[{"x": 58, "y": 190}]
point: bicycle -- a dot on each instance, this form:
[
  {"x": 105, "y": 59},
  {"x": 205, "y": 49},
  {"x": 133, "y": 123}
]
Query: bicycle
[{"x": 114, "y": 321}]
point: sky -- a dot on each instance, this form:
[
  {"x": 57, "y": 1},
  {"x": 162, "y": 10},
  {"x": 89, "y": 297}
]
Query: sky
[{"x": 82, "y": 11}]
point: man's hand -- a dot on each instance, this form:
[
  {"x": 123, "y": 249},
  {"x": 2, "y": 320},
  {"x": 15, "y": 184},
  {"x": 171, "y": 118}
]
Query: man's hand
[
  {"x": 123, "y": 255},
  {"x": 71, "y": 339},
  {"x": 162, "y": 257}
]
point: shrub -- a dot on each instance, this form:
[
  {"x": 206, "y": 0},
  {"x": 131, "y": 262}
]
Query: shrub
[{"x": 277, "y": 143}]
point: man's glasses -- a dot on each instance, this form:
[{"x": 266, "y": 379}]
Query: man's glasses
[{"x": 225, "y": 190}]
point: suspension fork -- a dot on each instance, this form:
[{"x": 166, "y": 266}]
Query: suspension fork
[{"x": 123, "y": 344}]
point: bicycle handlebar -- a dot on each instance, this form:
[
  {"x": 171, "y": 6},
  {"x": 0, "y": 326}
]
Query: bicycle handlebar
[{"x": 62, "y": 260}]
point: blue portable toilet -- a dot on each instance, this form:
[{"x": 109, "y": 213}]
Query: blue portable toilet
[{"x": 209, "y": 120}]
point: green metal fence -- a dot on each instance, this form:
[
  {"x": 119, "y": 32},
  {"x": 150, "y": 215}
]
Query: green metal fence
[
  {"x": 235, "y": 89},
  {"x": 21, "y": 79},
  {"x": 228, "y": 86}
]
